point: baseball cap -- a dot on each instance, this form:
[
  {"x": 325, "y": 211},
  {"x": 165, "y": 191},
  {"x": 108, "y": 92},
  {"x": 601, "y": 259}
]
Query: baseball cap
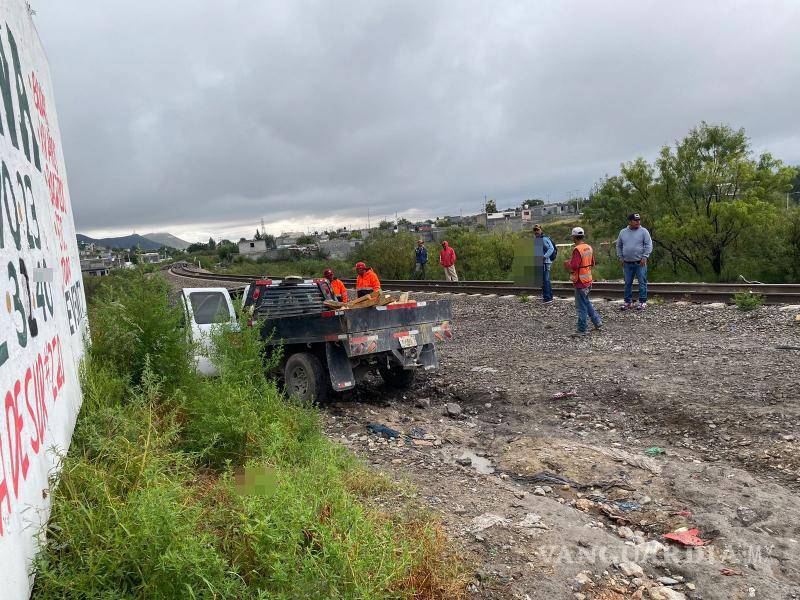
[
  {"x": 634, "y": 217},
  {"x": 577, "y": 231},
  {"x": 327, "y": 272},
  {"x": 537, "y": 227},
  {"x": 360, "y": 265},
  {"x": 420, "y": 242}
]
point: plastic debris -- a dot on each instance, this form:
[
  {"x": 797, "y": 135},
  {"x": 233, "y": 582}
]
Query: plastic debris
[
  {"x": 654, "y": 451},
  {"x": 486, "y": 520},
  {"x": 564, "y": 394},
  {"x": 483, "y": 370},
  {"x": 641, "y": 462},
  {"x": 627, "y": 505},
  {"x": 731, "y": 572},
  {"x": 689, "y": 537},
  {"x": 682, "y": 513},
  {"x": 418, "y": 433},
  {"x": 383, "y": 430}
]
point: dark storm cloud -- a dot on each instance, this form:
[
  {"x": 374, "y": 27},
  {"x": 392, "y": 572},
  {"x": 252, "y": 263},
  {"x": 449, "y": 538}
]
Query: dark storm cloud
[{"x": 181, "y": 115}]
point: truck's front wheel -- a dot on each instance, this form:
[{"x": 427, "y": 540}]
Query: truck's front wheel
[
  {"x": 304, "y": 378},
  {"x": 397, "y": 377}
]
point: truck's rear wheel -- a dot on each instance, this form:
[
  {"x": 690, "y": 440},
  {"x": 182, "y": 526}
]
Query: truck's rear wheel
[
  {"x": 305, "y": 378},
  {"x": 397, "y": 377}
]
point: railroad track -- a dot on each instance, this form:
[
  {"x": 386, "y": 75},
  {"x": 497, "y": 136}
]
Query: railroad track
[{"x": 692, "y": 292}]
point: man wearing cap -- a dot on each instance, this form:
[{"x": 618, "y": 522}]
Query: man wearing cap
[
  {"x": 337, "y": 287},
  {"x": 421, "y": 260},
  {"x": 634, "y": 246},
  {"x": 580, "y": 268},
  {"x": 367, "y": 281},
  {"x": 543, "y": 246}
]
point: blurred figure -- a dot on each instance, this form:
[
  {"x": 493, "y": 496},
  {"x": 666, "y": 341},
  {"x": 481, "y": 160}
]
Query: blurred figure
[
  {"x": 367, "y": 281},
  {"x": 421, "y": 257},
  {"x": 337, "y": 287},
  {"x": 548, "y": 253},
  {"x": 447, "y": 258}
]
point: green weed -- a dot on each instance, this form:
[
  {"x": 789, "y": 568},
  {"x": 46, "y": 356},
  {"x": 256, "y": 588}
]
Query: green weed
[{"x": 747, "y": 301}]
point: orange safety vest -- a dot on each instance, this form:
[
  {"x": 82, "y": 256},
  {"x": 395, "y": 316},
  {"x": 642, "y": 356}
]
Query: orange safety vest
[
  {"x": 338, "y": 289},
  {"x": 584, "y": 272}
]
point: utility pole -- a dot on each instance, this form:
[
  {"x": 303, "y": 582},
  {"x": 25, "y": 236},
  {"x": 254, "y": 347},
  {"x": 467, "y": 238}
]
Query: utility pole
[{"x": 368, "y": 222}]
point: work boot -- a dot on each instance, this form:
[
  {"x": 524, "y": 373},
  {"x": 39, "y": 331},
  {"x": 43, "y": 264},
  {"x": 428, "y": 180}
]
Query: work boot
[{"x": 597, "y": 326}]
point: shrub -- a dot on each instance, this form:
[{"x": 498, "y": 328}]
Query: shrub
[
  {"x": 132, "y": 321},
  {"x": 748, "y": 300}
]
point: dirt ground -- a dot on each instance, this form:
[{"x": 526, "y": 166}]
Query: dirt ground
[
  {"x": 552, "y": 497},
  {"x": 557, "y": 497}
]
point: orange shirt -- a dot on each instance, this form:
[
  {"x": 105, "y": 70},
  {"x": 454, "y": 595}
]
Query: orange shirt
[
  {"x": 368, "y": 280},
  {"x": 338, "y": 289}
]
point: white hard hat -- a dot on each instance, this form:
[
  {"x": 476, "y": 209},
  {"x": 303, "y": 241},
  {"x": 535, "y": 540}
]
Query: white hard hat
[{"x": 576, "y": 231}]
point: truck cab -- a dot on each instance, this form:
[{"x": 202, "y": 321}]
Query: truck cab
[{"x": 204, "y": 308}]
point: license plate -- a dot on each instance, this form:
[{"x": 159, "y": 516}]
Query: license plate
[{"x": 408, "y": 341}]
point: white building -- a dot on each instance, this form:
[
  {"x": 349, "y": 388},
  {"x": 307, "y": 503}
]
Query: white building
[{"x": 253, "y": 248}]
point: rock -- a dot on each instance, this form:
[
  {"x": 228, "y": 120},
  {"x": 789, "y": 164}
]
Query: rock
[
  {"x": 487, "y": 520},
  {"x": 746, "y": 515},
  {"x": 625, "y": 533},
  {"x": 690, "y": 586},
  {"x": 666, "y": 593},
  {"x": 667, "y": 581},
  {"x": 715, "y": 305},
  {"x": 581, "y": 582},
  {"x": 631, "y": 569},
  {"x": 532, "y": 521},
  {"x": 453, "y": 409},
  {"x": 423, "y": 403},
  {"x": 464, "y": 461},
  {"x": 584, "y": 504},
  {"x": 539, "y": 491}
]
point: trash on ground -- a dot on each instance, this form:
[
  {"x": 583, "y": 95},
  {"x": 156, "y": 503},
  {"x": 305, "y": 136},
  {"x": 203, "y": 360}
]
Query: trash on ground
[
  {"x": 483, "y": 370},
  {"x": 654, "y": 451},
  {"x": 564, "y": 394},
  {"x": 687, "y": 537},
  {"x": 418, "y": 433},
  {"x": 682, "y": 513},
  {"x": 641, "y": 462},
  {"x": 486, "y": 520},
  {"x": 532, "y": 521},
  {"x": 731, "y": 572},
  {"x": 379, "y": 429}
]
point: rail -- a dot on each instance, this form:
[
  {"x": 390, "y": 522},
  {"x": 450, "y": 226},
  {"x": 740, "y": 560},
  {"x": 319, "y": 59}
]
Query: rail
[{"x": 691, "y": 292}]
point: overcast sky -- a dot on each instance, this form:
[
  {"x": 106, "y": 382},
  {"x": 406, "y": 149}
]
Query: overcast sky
[{"x": 200, "y": 118}]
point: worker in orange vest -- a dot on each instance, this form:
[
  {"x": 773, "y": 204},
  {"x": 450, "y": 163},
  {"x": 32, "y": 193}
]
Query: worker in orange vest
[
  {"x": 367, "y": 281},
  {"x": 337, "y": 287},
  {"x": 580, "y": 268}
]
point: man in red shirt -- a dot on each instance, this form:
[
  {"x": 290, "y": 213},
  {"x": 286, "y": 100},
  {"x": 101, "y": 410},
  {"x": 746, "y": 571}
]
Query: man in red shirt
[
  {"x": 580, "y": 268},
  {"x": 337, "y": 287},
  {"x": 447, "y": 258}
]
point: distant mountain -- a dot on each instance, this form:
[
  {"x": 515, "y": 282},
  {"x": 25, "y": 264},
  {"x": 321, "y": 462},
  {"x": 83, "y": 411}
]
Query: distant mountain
[
  {"x": 123, "y": 243},
  {"x": 167, "y": 239}
]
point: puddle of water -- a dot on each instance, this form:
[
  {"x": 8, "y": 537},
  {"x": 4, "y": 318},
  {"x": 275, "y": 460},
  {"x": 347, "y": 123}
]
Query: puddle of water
[{"x": 479, "y": 463}]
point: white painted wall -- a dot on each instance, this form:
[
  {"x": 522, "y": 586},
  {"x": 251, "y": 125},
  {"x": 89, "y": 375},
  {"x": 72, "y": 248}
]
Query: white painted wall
[{"x": 43, "y": 314}]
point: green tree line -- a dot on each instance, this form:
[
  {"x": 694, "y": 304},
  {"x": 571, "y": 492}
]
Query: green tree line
[{"x": 715, "y": 210}]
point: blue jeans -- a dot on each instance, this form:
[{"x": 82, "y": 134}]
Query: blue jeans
[
  {"x": 547, "y": 287},
  {"x": 631, "y": 270},
  {"x": 585, "y": 309}
]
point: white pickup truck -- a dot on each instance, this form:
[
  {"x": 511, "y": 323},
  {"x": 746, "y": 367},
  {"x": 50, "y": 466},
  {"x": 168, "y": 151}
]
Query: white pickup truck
[{"x": 204, "y": 308}]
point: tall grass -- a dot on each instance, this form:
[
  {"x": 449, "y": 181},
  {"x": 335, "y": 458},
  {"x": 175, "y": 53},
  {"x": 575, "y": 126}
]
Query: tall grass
[{"x": 182, "y": 487}]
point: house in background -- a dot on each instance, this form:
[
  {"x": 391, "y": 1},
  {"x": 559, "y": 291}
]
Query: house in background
[{"x": 253, "y": 248}]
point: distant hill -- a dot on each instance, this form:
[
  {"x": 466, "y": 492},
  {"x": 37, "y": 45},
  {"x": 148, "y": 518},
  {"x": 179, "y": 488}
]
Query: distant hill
[
  {"x": 123, "y": 243},
  {"x": 167, "y": 239}
]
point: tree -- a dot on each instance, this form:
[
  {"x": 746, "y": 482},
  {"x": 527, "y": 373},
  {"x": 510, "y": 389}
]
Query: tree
[
  {"x": 700, "y": 199},
  {"x": 270, "y": 240},
  {"x": 196, "y": 247},
  {"x": 385, "y": 225},
  {"x": 257, "y": 235},
  {"x": 531, "y": 202},
  {"x": 305, "y": 240},
  {"x": 211, "y": 244},
  {"x": 491, "y": 206}
]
